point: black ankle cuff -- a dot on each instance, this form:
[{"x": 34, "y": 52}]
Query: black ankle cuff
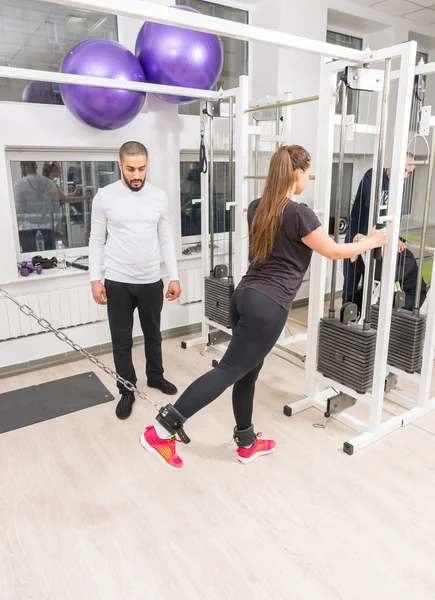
[
  {"x": 244, "y": 437},
  {"x": 173, "y": 421}
]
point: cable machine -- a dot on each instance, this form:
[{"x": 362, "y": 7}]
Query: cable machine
[
  {"x": 405, "y": 351},
  {"x": 219, "y": 284},
  {"x": 346, "y": 350},
  {"x": 324, "y": 392}
]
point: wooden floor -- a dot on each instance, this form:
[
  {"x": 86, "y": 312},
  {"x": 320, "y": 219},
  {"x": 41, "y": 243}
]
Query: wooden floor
[{"x": 86, "y": 514}]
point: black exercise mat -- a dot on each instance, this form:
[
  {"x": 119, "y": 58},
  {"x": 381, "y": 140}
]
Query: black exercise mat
[{"x": 38, "y": 403}]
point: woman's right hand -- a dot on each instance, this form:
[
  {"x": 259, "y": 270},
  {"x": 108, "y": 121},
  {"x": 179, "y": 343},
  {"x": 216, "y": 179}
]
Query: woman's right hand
[{"x": 379, "y": 237}]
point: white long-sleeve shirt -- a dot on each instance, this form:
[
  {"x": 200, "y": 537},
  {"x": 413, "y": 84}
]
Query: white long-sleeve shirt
[{"x": 138, "y": 226}]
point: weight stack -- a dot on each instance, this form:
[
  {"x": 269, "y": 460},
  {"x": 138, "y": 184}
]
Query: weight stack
[
  {"x": 346, "y": 353},
  {"x": 407, "y": 332},
  {"x": 217, "y": 299}
]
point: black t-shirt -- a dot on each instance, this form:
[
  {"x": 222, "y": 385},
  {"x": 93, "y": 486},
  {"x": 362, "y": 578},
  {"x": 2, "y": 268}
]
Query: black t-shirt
[{"x": 281, "y": 276}]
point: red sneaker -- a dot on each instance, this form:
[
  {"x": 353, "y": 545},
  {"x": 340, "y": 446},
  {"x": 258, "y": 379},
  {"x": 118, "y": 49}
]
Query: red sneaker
[
  {"x": 260, "y": 448},
  {"x": 163, "y": 449}
]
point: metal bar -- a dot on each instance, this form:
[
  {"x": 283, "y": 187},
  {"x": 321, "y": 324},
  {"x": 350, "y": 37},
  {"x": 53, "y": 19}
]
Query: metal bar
[
  {"x": 104, "y": 82},
  {"x": 378, "y": 186},
  {"x": 398, "y": 161},
  {"x": 282, "y": 104},
  {"x": 382, "y": 54},
  {"x": 230, "y": 185},
  {"x": 241, "y": 187},
  {"x": 256, "y": 159},
  {"x": 321, "y": 207},
  {"x": 338, "y": 194},
  {"x": 278, "y": 125},
  {"x": 211, "y": 196},
  {"x": 148, "y": 11},
  {"x": 425, "y": 221}
]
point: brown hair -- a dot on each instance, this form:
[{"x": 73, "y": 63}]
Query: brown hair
[{"x": 269, "y": 213}]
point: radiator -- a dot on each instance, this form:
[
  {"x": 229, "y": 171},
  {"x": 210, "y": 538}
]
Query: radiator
[
  {"x": 62, "y": 308},
  {"x": 192, "y": 286}
]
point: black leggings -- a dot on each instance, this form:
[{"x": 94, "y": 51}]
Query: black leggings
[{"x": 257, "y": 323}]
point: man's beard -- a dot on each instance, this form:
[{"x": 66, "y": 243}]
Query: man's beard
[{"x": 131, "y": 187}]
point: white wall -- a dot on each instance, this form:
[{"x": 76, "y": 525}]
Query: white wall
[{"x": 40, "y": 126}]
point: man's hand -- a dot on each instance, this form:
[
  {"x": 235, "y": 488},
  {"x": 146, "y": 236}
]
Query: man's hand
[
  {"x": 357, "y": 238},
  {"x": 174, "y": 290},
  {"x": 99, "y": 292},
  {"x": 401, "y": 246}
]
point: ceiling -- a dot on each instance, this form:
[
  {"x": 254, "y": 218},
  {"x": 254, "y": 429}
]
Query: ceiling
[{"x": 417, "y": 11}]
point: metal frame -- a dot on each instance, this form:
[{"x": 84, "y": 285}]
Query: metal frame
[
  {"x": 147, "y": 11},
  {"x": 244, "y": 134},
  {"x": 320, "y": 388}
]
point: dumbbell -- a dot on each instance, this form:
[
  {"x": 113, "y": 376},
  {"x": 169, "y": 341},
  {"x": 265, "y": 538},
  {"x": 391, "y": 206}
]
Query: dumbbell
[{"x": 27, "y": 268}]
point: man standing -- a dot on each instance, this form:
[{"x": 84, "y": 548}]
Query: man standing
[
  {"x": 135, "y": 215},
  {"x": 406, "y": 269},
  {"x": 38, "y": 208}
]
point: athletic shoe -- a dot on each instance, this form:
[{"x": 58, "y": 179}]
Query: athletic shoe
[
  {"x": 163, "y": 449},
  {"x": 260, "y": 448}
]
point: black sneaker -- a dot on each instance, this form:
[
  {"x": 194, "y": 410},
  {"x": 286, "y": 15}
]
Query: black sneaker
[
  {"x": 123, "y": 410},
  {"x": 164, "y": 386}
]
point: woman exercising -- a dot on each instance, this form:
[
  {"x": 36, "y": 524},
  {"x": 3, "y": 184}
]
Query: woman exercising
[{"x": 283, "y": 234}]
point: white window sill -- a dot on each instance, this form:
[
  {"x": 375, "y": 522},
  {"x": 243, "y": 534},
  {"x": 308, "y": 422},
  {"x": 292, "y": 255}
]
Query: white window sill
[{"x": 48, "y": 274}]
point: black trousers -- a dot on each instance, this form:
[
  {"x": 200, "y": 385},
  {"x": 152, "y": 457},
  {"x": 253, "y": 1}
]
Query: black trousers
[
  {"x": 406, "y": 275},
  {"x": 257, "y": 323},
  {"x": 122, "y": 300}
]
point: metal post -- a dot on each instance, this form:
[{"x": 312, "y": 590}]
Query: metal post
[
  {"x": 256, "y": 159},
  {"x": 241, "y": 187},
  {"x": 398, "y": 163},
  {"x": 416, "y": 309},
  {"x": 378, "y": 186},
  {"x": 278, "y": 125},
  {"x": 230, "y": 182},
  {"x": 339, "y": 194},
  {"x": 322, "y": 203},
  {"x": 211, "y": 196}
]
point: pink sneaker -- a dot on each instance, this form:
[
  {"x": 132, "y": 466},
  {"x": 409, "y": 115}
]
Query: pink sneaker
[
  {"x": 163, "y": 449},
  {"x": 260, "y": 448}
]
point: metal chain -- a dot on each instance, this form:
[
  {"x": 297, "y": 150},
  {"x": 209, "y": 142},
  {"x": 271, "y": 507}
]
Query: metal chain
[{"x": 61, "y": 336}]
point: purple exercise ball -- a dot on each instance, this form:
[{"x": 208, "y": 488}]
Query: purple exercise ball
[
  {"x": 176, "y": 56},
  {"x": 42, "y": 92},
  {"x": 102, "y": 108}
]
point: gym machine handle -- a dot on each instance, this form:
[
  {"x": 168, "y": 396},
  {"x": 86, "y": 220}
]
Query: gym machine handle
[{"x": 377, "y": 254}]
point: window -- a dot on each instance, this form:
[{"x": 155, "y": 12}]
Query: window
[
  {"x": 349, "y": 41},
  {"x": 235, "y": 51},
  {"x": 190, "y": 183},
  {"x": 53, "y": 200},
  {"x": 37, "y": 35}
]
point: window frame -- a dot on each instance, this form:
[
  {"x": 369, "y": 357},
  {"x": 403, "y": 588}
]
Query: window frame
[
  {"x": 220, "y": 156},
  {"x": 234, "y": 6},
  {"x": 352, "y": 96},
  {"x": 18, "y": 154}
]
